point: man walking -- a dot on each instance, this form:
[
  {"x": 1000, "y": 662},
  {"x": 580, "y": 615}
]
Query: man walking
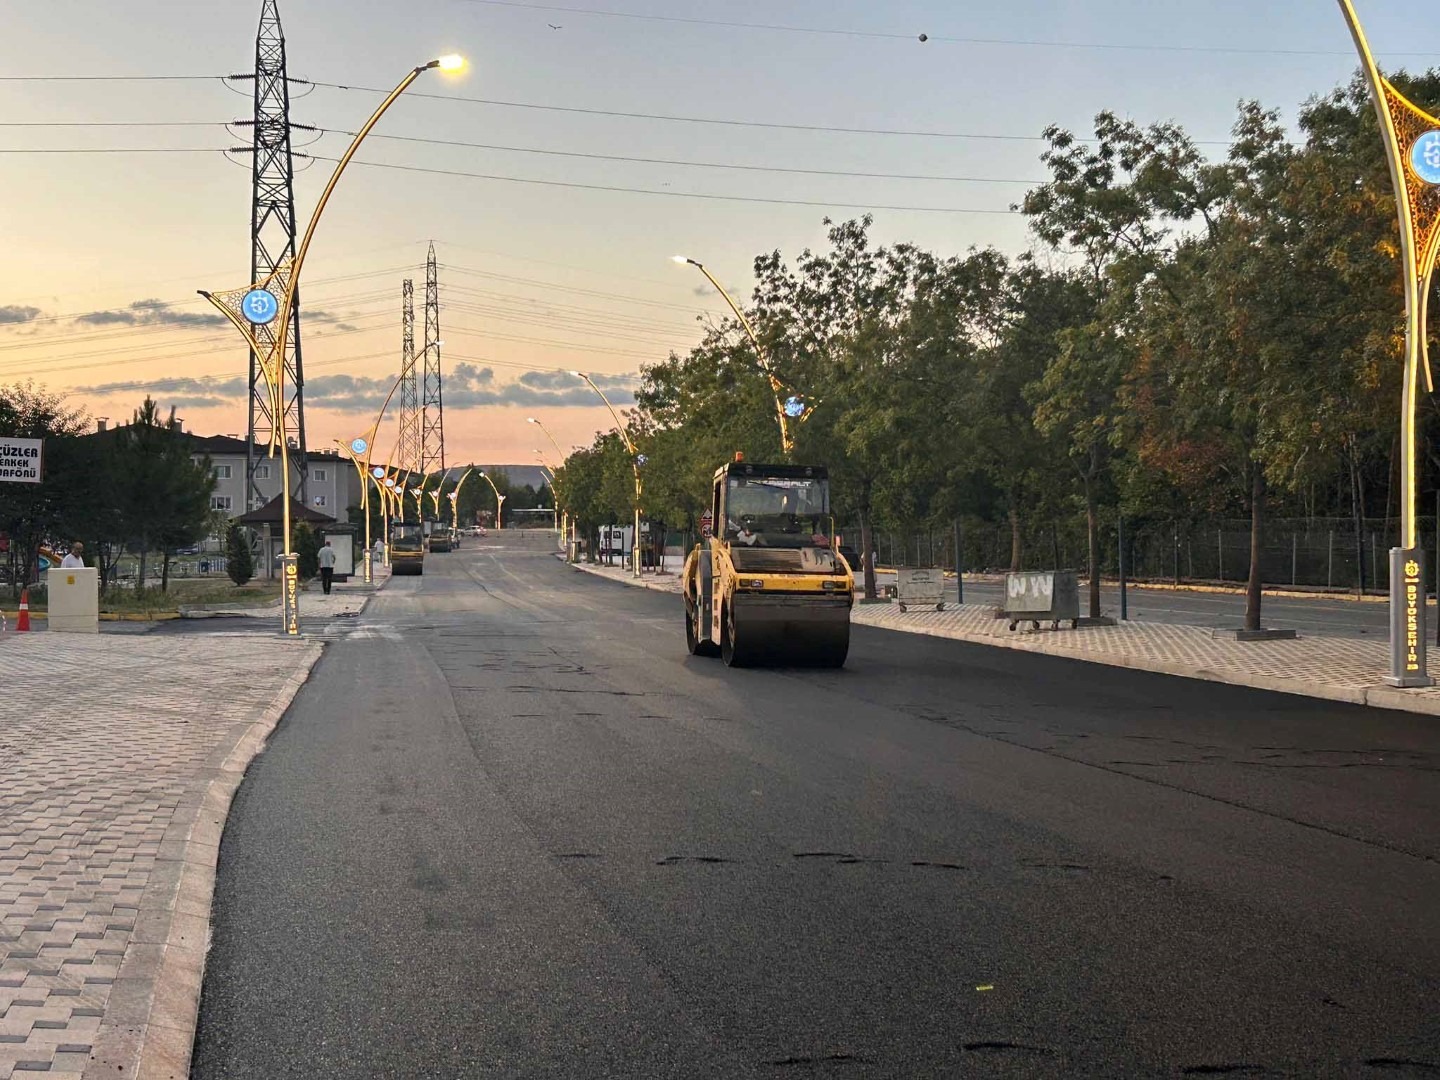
[
  {"x": 75, "y": 558},
  {"x": 327, "y": 567}
]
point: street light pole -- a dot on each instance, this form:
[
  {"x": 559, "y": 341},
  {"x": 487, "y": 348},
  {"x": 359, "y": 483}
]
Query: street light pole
[
  {"x": 499, "y": 500},
  {"x": 788, "y": 405},
  {"x": 1412, "y": 150},
  {"x": 634, "y": 464},
  {"x": 258, "y": 305}
]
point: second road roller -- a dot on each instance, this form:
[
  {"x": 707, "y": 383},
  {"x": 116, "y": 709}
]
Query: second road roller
[{"x": 767, "y": 584}]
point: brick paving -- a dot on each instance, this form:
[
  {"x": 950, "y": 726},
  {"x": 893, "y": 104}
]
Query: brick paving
[
  {"x": 1333, "y": 668},
  {"x": 118, "y": 757}
]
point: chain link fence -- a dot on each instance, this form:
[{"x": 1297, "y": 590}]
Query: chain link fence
[{"x": 1314, "y": 553}]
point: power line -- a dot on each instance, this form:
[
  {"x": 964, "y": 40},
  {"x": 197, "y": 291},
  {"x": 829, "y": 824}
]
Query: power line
[
  {"x": 686, "y": 164},
  {"x": 935, "y": 38},
  {"x": 115, "y": 150},
  {"x": 834, "y": 204}
]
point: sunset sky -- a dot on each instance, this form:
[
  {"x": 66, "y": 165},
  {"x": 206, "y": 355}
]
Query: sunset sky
[{"x": 118, "y": 202}]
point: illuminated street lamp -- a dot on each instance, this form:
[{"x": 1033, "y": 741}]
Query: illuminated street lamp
[
  {"x": 635, "y": 462},
  {"x": 1412, "y": 148},
  {"x": 499, "y": 500},
  {"x": 268, "y": 303},
  {"x": 788, "y": 404}
]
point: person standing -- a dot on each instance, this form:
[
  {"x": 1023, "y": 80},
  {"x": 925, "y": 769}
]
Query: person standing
[
  {"x": 327, "y": 567},
  {"x": 75, "y": 559}
]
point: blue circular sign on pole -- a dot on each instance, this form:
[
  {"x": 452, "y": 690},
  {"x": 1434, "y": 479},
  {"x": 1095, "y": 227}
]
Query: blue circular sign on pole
[
  {"x": 359, "y": 446},
  {"x": 1425, "y": 157},
  {"x": 794, "y": 407},
  {"x": 378, "y": 472},
  {"x": 260, "y": 306}
]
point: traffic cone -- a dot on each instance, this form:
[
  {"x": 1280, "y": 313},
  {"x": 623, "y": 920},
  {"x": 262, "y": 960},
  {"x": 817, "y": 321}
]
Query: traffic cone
[{"x": 23, "y": 622}]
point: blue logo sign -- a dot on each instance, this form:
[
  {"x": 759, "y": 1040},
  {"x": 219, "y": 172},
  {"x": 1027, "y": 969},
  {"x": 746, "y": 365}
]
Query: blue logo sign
[
  {"x": 794, "y": 407},
  {"x": 641, "y": 459},
  {"x": 1425, "y": 157},
  {"x": 359, "y": 446},
  {"x": 378, "y": 472},
  {"x": 260, "y": 307}
]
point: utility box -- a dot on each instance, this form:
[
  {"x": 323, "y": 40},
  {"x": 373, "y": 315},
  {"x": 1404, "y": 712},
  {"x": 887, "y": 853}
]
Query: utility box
[
  {"x": 1037, "y": 596},
  {"x": 74, "y": 598}
]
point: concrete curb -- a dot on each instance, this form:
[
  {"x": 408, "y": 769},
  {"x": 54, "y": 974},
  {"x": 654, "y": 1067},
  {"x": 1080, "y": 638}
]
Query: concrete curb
[
  {"x": 148, "y": 1031},
  {"x": 654, "y": 586},
  {"x": 1377, "y": 696}
]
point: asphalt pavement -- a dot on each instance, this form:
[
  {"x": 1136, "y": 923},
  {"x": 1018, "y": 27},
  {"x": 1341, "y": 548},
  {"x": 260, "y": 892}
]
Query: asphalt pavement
[{"x": 511, "y": 829}]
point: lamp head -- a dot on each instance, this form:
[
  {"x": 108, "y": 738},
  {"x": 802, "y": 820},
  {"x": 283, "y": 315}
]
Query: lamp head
[
  {"x": 531, "y": 420},
  {"x": 449, "y": 62},
  {"x": 580, "y": 375}
]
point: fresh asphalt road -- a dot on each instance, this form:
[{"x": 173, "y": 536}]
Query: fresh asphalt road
[{"x": 510, "y": 829}]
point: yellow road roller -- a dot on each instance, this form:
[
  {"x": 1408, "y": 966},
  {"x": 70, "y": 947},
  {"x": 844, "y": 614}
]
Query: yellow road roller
[{"x": 766, "y": 585}]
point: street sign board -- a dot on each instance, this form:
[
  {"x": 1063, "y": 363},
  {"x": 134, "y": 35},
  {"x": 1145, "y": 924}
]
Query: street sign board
[
  {"x": 707, "y": 524},
  {"x": 21, "y": 460},
  {"x": 260, "y": 306},
  {"x": 1425, "y": 157}
]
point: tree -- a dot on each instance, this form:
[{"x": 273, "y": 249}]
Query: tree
[
  {"x": 162, "y": 493},
  {"x": 306, "y": 546},
  {"x": 57, "y": 507},
  {"x": 239, "y": 563}
]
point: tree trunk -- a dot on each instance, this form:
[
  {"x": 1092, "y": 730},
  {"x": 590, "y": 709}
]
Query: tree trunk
[
  {"x": 1092, "y": 530},
  {"x": 1014, "y": 541},
  {"x": 1257, "y": 521},
  {"x": 867, "y": 545},
  {"x": 1357, "y": 514},
  {"x": 140, "y": 577},
  {"x": 165, "y": 573}
]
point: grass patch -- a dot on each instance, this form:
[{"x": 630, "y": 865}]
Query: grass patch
[{"x": 152, "y": 601}]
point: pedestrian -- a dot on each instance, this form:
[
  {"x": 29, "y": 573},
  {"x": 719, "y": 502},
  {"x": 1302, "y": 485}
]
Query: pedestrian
[
  {"x": 327, "y": 567},
  {"x": 75, "y": 559}
]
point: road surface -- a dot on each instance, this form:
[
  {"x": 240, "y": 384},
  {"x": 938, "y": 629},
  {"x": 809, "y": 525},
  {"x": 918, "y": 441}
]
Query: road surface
[{"x": 510, "y": 829}]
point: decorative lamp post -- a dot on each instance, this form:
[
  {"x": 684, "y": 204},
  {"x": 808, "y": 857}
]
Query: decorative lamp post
[
  {"x": 499, "y": 500},
  {"x": 269, "y": 302},
  {"x": 1412, "y": 148},
  {"x": 788, "y": 404},
  {"x": 636, "y": 460}
]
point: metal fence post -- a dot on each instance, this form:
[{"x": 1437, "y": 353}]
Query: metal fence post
[
  {"x": 1294, "y": 558},
  {"x": 1120, "y": 544},
  {"x": 959, "y": 564},
  {"x": 1330, "y": 561}
]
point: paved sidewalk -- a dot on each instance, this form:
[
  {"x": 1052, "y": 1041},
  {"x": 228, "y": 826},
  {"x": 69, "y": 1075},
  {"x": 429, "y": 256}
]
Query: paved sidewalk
[
  {"x": 346, "y": 598},
  {"x": 1336, "y": 669},
  {"x": 118, "y": 760}
]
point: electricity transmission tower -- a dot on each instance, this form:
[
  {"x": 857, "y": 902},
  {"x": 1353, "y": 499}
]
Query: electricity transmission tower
[
  {"x": 408, "y": 451},
  {"x": 272, "y": 242},
  {"x": 432, "y": 454}
]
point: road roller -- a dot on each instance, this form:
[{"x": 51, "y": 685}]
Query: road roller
[{"x": 766, "y": 585}]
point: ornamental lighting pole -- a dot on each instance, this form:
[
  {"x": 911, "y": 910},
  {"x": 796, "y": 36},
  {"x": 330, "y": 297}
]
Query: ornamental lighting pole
[
  {"x": 788, "y": 405},
  {"x": 636, "y": 460},
  {"x": 499, "y": 500},
  {"x": 1412, "y": 149},
  {"x": 272, "y": 299},
  {"x": 560, "y": 461}
]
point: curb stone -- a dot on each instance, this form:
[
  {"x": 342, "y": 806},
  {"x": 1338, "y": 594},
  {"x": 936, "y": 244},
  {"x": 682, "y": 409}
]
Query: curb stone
[
  {"x": 1378, "y": 696},
  {"x": 148, "y": 1031}
]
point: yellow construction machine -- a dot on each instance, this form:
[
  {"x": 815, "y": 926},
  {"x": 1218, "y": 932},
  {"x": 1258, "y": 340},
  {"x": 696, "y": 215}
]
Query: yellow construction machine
[{"x": 766, "y": 586}]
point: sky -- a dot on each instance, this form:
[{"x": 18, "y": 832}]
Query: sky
[{"x": 118, "y": 202}]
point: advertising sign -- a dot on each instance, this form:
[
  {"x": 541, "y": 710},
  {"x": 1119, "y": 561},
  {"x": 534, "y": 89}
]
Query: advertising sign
[
  {"x": 20, "y": 460},
  {"x": 291, "y": 585}
]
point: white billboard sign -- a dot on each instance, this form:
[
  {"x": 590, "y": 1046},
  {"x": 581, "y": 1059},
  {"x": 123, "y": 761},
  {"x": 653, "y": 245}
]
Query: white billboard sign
[{"x": 20, "y": 460}]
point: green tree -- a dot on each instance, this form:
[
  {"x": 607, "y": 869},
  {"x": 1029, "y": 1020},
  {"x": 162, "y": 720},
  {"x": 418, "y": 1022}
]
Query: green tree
[
  {"x": 58, "y": 507},
  {"x": 306, "y": 546},
  {"x": 239, "y": 562}
]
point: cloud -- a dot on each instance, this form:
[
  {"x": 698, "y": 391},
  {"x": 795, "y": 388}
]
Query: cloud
[
  {"x": 152, "y": 313},
  {"x": 209, "y": 388},
  {"x": 466, "y": 387},
  {"x": 14, "y": 316}
]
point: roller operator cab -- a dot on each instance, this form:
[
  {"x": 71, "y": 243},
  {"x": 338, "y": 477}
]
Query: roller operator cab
[
  {"x": 407, "y": 549},
  {"x": 767, "y": 587}
]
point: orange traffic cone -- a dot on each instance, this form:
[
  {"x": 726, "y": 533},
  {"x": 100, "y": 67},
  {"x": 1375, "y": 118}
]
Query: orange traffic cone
[{"x": 23, "y": 622}]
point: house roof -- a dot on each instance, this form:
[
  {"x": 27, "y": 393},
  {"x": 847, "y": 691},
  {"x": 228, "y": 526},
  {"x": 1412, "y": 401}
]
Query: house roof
[{"x": 272, "y": 513}]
